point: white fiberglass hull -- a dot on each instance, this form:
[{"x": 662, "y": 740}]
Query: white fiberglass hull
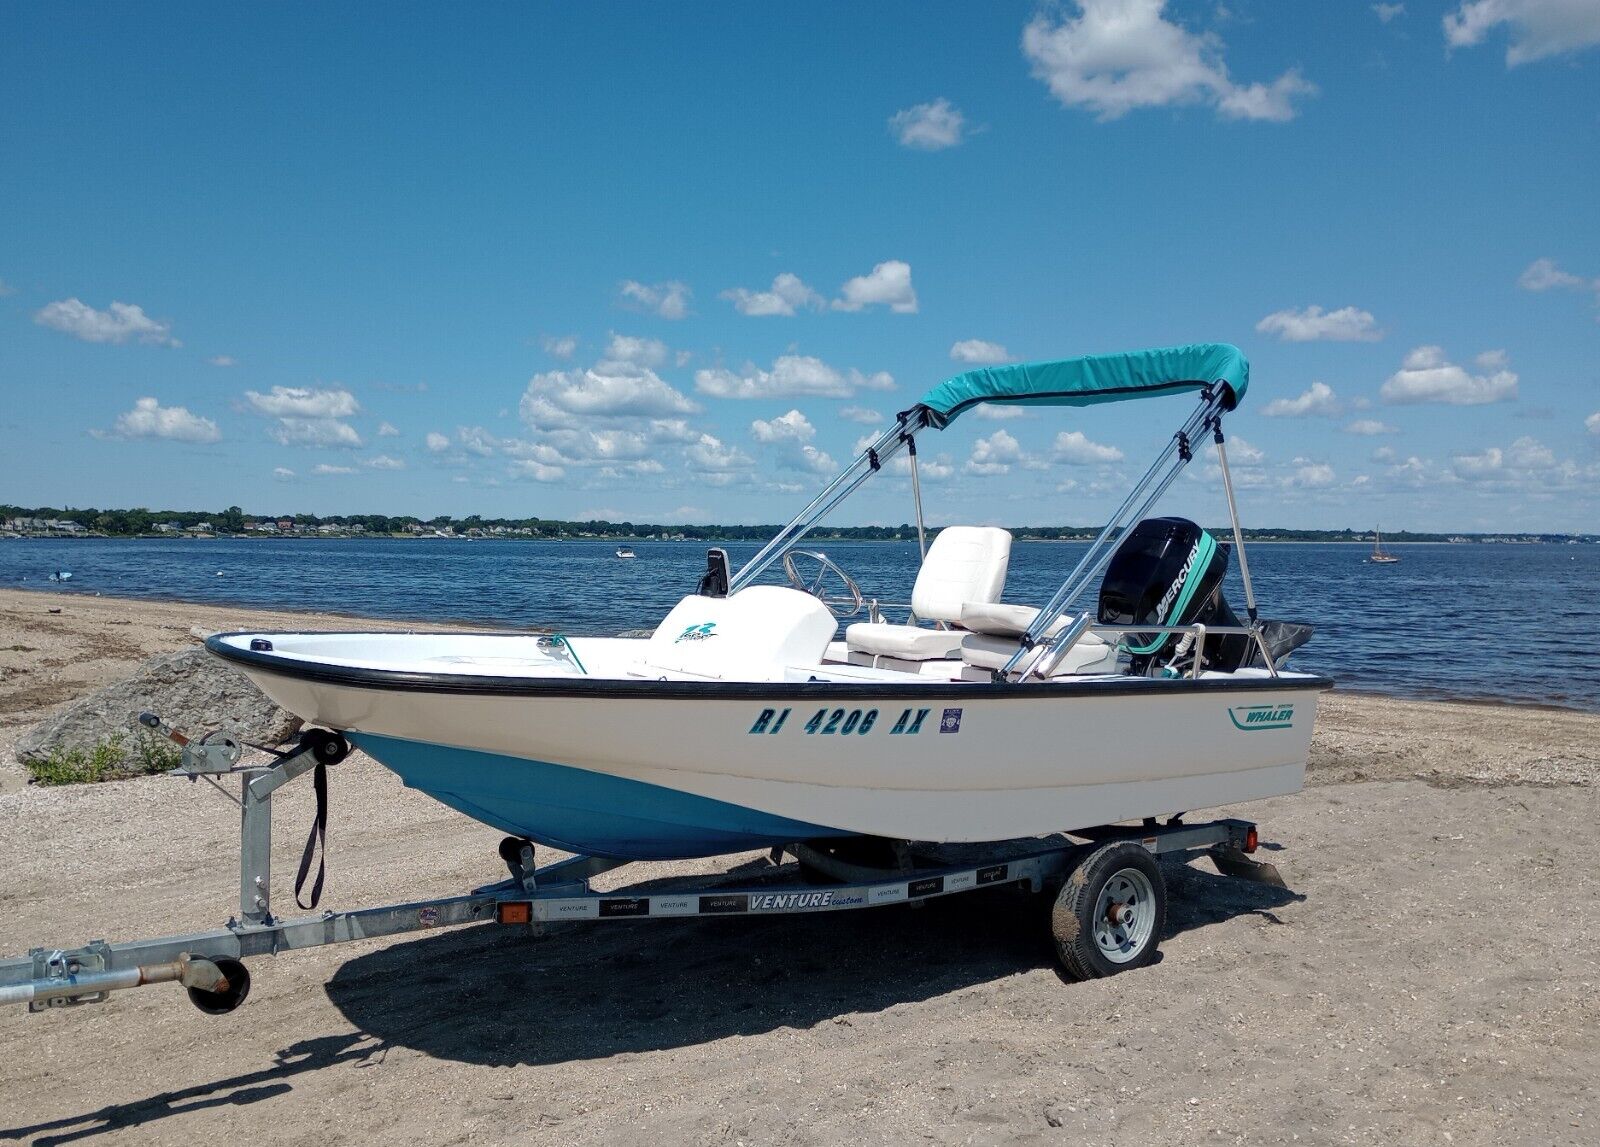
[{"x": 679, "y": 768}]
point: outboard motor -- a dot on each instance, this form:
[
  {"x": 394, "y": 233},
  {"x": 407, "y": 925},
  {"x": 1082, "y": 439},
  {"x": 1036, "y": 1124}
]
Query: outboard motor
[{"x": 1168, "y": 571}]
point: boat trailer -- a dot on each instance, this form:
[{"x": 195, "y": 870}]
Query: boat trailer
[{"x": 1108, "y": 914}]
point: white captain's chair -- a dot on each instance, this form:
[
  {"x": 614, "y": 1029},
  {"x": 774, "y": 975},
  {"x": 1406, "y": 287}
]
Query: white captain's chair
[{"x": 964, "y": 564}]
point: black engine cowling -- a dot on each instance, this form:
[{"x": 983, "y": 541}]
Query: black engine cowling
[{"x": 1168, "y": 571}]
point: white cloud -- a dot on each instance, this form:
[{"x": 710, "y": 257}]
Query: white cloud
[
  {"x": 324, "y": 468},
  {"x": 1244, "y": 453},
  {"x": 1318, "y": 400},
  {"x": 1387, "y": 12},
  {"x": 1347, "y": 324},
  {"x": 1312, "y": 475},
  {"x": 606, "y": 390},
  {"x": 303, "y": 402},
  {"x": 1544, "y": 275},
  {"x": 1425, "y": 376},
  {"x": 1593, "y": 422},
  {"x": 1530, "y": 454},
  {"x": 387, "y": 430},
  {"x": 559, "y": 346},
  {"x": 1536, "y": 28},
  {"x": 887, "y": 284},
  {"x": 149, "y": 419},
  {"x": 1121, "y": 55},
  {"x": 790, "y": 375},
  {"x": 222, "y": 360},
  {"x": 929, "y": 127},
  {"x": 670, "y": 300},
  {"x": 794, "y": 425},
  {"x": 979, "y": 352},
  {"x": 861, "y": 414},
  {"x": 995, "y": 454},
  {"x": 384, "y": 462},
  {"x": 1075, "y": 449},
  {"x": 710, "y": 455},
  {"x": 538, "y": 471},
  {"x": 321, "y": 432},
  {"x": 282, "y": 473},
  {"x": 1370, "y": 428},
  {"x": 122, "y": 322},
  {"x": 637, "y": 351},
  {"x": 792, "y": 434},
  {"x": 788, "y": 295},
  {"x": 438, "y": 443},
  {"x": 307, "y": 416}
]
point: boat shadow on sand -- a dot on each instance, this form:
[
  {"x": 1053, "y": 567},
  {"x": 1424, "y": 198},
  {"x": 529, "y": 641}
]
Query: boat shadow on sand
[{"x": 490, "y": 997}]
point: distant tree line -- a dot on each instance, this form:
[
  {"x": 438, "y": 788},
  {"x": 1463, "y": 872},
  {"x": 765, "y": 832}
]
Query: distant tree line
[{"x": 233, "y": 520}]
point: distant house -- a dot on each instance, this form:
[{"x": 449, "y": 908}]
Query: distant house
[
  {"x": 167, "y": 527},
  {"x": 199, "y": 528},
  {"x": 413, "y": 528}
]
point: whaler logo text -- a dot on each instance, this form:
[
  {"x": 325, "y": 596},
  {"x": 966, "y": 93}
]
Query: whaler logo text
[{"x": 1253, "y": 717}]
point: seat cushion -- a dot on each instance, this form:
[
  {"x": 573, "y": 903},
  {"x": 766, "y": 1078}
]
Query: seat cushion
[
  {"x": 998, "y": 618},
  {"x": 964, "y": 563},
  {"x": 1091, "y": 654},
  {"x": 907, "y": 642}
]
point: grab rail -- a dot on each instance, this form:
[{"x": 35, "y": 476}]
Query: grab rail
[{"x": 1052, "y": 649}]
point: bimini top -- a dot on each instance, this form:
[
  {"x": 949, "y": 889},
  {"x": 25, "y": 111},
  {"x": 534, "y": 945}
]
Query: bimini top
[{"x": 1091, "y": 380}]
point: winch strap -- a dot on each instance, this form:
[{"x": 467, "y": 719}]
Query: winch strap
[{"x": 316, "y": 843}]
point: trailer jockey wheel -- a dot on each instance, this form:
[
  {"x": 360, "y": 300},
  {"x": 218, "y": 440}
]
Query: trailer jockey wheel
[
  {"x": 220, "y": 1003},
  {"x": 1109, "y": 914}
]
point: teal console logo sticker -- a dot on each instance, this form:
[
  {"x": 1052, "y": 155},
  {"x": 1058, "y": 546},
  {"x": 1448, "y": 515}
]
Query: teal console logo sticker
[
  {"x": 1253, "y": 717},
  {"x": 697, "y": 632}
]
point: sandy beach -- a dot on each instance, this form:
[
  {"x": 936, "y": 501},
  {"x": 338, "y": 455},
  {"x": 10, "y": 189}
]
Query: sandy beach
[{"x": 1433, "y": 976}]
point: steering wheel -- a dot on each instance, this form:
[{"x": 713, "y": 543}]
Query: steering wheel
[{"x": 825, "y": 566}]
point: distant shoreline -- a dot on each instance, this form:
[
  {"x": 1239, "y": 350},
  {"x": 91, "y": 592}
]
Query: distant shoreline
[{"x": 1017, "y": 535}]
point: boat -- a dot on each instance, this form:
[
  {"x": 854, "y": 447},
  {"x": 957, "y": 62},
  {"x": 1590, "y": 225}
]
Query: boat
[
  {"x": 626, "y": 552},
  {"x": 1379, "y": 555},
  {"x": 747, "y": 719},
  {"x": 61, "y": 575}
]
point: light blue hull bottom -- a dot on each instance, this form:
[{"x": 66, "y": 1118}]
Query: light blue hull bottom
[{"x": 579, "y": 811}]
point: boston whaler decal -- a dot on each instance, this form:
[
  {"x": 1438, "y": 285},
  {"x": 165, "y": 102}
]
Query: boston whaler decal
[{"x": 1253, "y": 717}]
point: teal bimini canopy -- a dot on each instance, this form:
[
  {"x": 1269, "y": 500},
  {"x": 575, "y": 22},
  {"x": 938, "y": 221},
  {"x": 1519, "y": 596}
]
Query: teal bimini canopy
[{"x": 1091, "y": 380}]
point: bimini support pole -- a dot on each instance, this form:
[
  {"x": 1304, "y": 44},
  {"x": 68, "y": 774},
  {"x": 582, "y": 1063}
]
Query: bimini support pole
[
  {"x": 1233, "y": 516},
  {"x": 1145, "y": 493},
  {"x": 866, "y": 464},
  {"x": 916, "y": 495}
]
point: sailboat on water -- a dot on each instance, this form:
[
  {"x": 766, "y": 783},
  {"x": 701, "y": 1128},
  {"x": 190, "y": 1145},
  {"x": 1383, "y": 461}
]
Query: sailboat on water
[{"x": 1379, "y": 555}]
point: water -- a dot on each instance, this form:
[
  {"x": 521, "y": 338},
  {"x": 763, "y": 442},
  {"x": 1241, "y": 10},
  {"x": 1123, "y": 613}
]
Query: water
[{"x": 1492, "y": 622}]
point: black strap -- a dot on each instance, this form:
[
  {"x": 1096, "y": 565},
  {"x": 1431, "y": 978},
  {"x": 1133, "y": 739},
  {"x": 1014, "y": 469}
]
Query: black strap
[{"x": 319, "y": 836}]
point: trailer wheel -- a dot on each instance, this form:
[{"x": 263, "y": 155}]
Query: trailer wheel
[
  {"x": 223, "y": 1002},
  {"x": 1109, "y": 914}
]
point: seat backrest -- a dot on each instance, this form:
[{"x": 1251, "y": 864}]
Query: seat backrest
[{"x": 965, "y": 563}]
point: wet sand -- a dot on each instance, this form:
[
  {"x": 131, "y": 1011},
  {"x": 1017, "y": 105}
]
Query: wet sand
[{"x": 1434, "y": 975}]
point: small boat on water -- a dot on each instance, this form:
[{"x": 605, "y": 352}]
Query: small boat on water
[
  {"x": 61, "y": 575},
  {"x": 626, "y": 552},
  {"x": 1380, "y": 556},
  {"x": 748, "y": 720}
]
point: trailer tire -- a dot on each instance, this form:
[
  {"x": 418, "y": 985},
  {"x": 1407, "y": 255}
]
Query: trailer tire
[
  {"x": 1109, "y": 914},
  {"x": 223, "y": 1002}
]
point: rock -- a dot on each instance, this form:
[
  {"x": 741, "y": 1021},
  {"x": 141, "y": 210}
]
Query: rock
[{"x": 192, "y": 691}]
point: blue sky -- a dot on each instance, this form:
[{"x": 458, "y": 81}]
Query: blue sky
[{"x": 667, "y": 262}]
